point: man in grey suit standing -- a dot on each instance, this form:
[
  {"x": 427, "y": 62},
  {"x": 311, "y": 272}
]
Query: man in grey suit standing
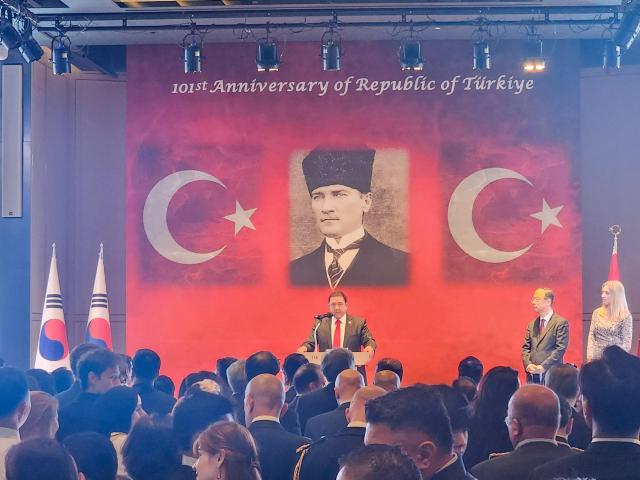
[{"x": 546, "y": 338}]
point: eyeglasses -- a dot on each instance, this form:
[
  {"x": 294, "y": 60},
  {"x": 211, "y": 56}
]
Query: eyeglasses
[{"x": 507, "y": 421}]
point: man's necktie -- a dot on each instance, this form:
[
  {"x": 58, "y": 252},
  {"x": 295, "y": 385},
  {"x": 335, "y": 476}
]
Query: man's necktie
[
  {"x": 541, "y": 326},
  {"x": 337, "y": 335},
  {"x": 335, "y": 271}
]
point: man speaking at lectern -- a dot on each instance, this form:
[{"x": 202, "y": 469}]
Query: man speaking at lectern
[{"x": 339, "y": 329}]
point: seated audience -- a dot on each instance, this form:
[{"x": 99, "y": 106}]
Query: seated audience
[
  {"x": 378, "y": 462},
  {"x": 98, "y": 372},
  {"x": 532, "y": 419},
  {"x": 69, "y": 395},
  {"x": 610, "y": 390},
  {"x": 387, "y": 380},
  {"x": 237, "y": 379},
  {"x": 487, "y": 431},
  {"x": 45, "y": 381},
  {"x": 347, "y": 384},
  {"x": 164, "y": 384},
  {"x": 467, "y": 387},
  {"x": 319, "y": 460},
  {"x": 324, "y": 400},
  {"x": 563, "y": 379},
  {"x": 459, "y": 416},
  {"x": 290, "y": 366},
  {"x": 63, "y": 379},
  {"x": 472, "y": 368},
  {"x": 263, "y": 404},
  {"x": 43, "y": 417},
  {"x": 415, "y": 419},
  {"x": 307, "y": 379},
  {"x": 15, "y": 405},
  {"x": 392, "y": 364},
  {"x": 226, "y": 451},
  {"x": 94, "y": 455},
  {"x": 40, "y": 459},
  {"x": 261, "y": 362},
  {"x": 146, "y": 368}
]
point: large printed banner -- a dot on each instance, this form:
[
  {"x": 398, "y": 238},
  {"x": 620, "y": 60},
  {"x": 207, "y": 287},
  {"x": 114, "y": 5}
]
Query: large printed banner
[{"x": 436, "y": 200}]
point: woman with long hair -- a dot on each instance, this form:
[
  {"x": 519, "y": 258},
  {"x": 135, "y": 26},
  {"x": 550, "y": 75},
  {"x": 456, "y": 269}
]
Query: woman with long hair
[
  {"x": 611, "y": 323},
  {"x": 226, "y": 451},
  {"x": 43, "y": 417}
]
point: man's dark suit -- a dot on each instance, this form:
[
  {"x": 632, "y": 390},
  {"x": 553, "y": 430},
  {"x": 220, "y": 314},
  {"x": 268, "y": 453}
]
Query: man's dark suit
[
  {"x": 546, "y": 349},
  {"x": 601, "y": 460},
  {"x": 276, "y": 449},
  {"x": 520, "y": 463},
  {"x": 356, "y": 334},
  {"x": 320, "y": 461},
  {"x": 290, "y": 420},
  {"x": 580, "y": 436},
  {"x": 326, "y": 424},
  {"x": 68, "y": 396},
  {"x": 154, "y": 401},
  {"x": 78, "y": 416},
  {"x": 456, "y": 471},
  {"x": 315, "y": 403},
  {"x": 375, "y": 264}
]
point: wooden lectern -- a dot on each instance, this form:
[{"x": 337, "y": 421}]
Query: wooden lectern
[{"x": 361, "y": 358}]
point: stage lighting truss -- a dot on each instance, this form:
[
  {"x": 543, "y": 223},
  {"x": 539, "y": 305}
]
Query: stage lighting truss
[
  {"x": 192, "y": 47},
  {"x": 331, "y": 50}
]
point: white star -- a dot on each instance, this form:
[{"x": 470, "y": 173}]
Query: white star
[
  {"x": 548, "y": 216},
  {"x": 241, "y": 218}
]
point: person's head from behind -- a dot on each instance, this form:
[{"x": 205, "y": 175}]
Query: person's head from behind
[
  {"x": 227, "y": 451},
  {"x": 378, "y": 462},
  {"x": 472, "y": 368},
  {"x": 264, "y": 396},
  {"x": 387, "y": 379},
  {"x": 146, "y": 366},
  {"x": 164, "y": 384},
  {"x": 347, "y": 384},
  {"x": 308, "y": 378},
  {"x": 63, "y": 379},
  {"x": 459, "y": 415},
  {"x": 466, "y": 387},
  {"x": 94, "y": 455},
  {"x": 222, "y": 365},
  {"x": 98, "y": 371},
  {"x": 563, "y": 379},
  {"x": 77, "y": 353},
  {"x": 39, "y": 459},
  {"x": 237, "y": 378},
  {"x": 291, "y": 365},
  {"x": 494, "y": 392},
  {"x": 392, "y": 364},
  {"x": 15, "y": 402},
  {"x": 534, "y": 412},
  {"x": 117, "y": 410},
  {"x": 195, "y": 412},
  {"x": 335, "y": 361},
  {"x": 415, "y": 419},
  {"x": 566, "y": 419},
  {"x": 151, "y": 452},
  {"x": 260, "y": 363},
  {"x": 610, "y": 390},
  {"x": 43, "y": 417},
  {"x": 45, "y": 381},
  {"x": 356, "y": 410},
  {"x": 195, "y": 377}
]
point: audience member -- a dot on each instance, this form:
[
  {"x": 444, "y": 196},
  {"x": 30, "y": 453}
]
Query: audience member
[
  {"x": 164, "y": 384},
  {"x": 43, "y": 417},
  {"x": 69, "y": 395},
  {"x": 319, "y": 461},
  {"x": 459, "y": 416},
  {"x": 563, "y": 379},
  {"x": 98, "y": 372},
  {"x": 125, "y": 369},
  {"x": 94, "y": 455},
  {"x": 237, "y": 380},
  {"x": 347, "y": 384},
  {"x": 227, "y": 451},
  {"x": 290, "y": 366},
  {"x": 472, "y": 368},
  {"x": 487, "y": 431},
  {"x": 467, "y": 387},
  {"x": 415, "y": 419},
  {"x": 610, "y": 390},
  {"x": 222, "y": 365},
  {"x": 566, "y": 424},
  {"x": 146, "y": 368},
  {"x": 195, "y": 377},
  {"x": 387, "y": 380},
  {"x": 378, "y": 462},
  {"x": 324, "y": 400},
  {"x": 45, "y": 381},
  {"x": 63, "y": 378},
  {"x": 261, "y": 362},
  {"x": 391, "y": 364},
  {"x": 307, "y": 379},
  {"x": 40, "y": 459},
  {"x": 263, "y": 404},
  {"x": 532, "y": 419},
  {"x": 15, "y": 405}
]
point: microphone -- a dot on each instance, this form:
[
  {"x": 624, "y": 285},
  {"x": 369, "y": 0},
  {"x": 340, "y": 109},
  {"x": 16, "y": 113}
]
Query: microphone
[{"x": 323, "y": 315}]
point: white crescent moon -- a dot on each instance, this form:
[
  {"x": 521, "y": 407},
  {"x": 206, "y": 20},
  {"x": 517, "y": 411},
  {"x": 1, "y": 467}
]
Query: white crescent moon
[
  {"x": 461, "y": 215},
  {"x": 154, "y": 217}
]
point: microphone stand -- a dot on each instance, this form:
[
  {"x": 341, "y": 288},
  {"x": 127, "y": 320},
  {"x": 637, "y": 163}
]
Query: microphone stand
[{"x": 315, "y": 336}]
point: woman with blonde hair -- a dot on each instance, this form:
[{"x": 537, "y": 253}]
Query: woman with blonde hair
[
  {"x": 226, "y": 451},
  {"x": 611, "y": 323},
  {"x": 43, "y": 417}
]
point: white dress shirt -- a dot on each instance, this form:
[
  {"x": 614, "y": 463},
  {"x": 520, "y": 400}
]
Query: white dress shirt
[{"x": 544, "y": 321}]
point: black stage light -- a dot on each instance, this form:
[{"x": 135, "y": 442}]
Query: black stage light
[
  {"x": 30, "y": 50},
  {"x": 331, "y": 50},
  {"x": 611, "y": 55},
  {"x": 9, "y": 36},
  {"x": 193, "y": 56},
  {"x": 411, "y": 55},
  {"x": 60, "y": 55},
  {"x": 267, "y": 59},
  {"x": 534, "y": 61},
  {"x": 481, "y": 55}
]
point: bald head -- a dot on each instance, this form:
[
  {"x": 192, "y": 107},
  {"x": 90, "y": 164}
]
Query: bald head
[
  {"x": 387, "y": 379},
  {"x": 536, "y": 410},
  {"x": 356, "y": 411},
  {"x": 264, "y": 396},
  {"x": 347, "y": 383}
]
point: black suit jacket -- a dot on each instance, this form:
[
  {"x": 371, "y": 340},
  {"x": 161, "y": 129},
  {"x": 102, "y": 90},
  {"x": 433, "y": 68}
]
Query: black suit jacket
[
  {"x": 290, "y": 420},
  {"x": 68, "y": 396},
  {"x": 520, "y": 463},
  {"x": 315, "y": 403},
  {"x": 580, "y": 436},
  {"x": 375, "y": 264},
  {"x": 154, "y": 401},
  {"x": 455, "y": 471},
  {"x": 326, "y": 424},
  {"x": 356, "y": 334},
  {"x": 276, "y": 449},
  {"x": 78, "y": 416},
  {"x": 601, "y": 461},
  {"x": 320, "y": 461},
  {"x": 546, "y": 349}
]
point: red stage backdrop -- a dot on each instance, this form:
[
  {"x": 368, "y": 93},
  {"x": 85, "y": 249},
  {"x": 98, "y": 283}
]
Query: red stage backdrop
[{"x": 474, "y": 176}]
